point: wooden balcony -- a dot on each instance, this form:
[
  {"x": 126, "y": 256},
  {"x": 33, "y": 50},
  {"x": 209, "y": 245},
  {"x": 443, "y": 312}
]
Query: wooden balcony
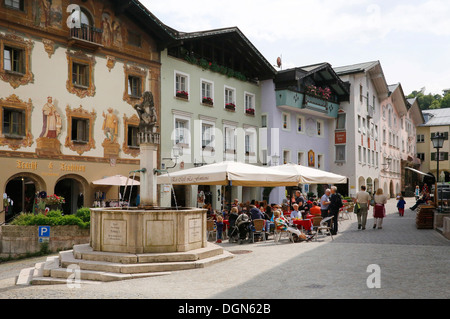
[{"x": 86, "y": 37}]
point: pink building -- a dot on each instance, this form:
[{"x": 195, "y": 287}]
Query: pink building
[{"x": 398, "y": 122}]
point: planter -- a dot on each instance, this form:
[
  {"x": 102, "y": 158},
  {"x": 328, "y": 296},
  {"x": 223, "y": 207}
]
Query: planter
[
  {"x": 250, "y": 112},
  {"x": 182, "y": 95},
  {"x": 230, "y": 107},
  {"x": 207, "y": 101}
]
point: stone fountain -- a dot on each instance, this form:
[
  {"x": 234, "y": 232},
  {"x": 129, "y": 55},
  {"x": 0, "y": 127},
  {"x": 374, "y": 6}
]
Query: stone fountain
[{"x": 129, "y": 243}]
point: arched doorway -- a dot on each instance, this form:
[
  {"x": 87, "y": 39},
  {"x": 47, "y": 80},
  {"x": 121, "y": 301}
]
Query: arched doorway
[
  {"x": 369, "y": 185},
  {"x": 73, "y": 188},
  {"x": 20, "y": 192},
  {"x": 391, "y": 189},
  {"x": 376, "y": 184},
  {"x": 361, "y": 182}
]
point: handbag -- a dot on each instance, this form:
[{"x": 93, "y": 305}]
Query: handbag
[
  {"x": 372, "y": 202},
  {"x": 357, "y": 208}
]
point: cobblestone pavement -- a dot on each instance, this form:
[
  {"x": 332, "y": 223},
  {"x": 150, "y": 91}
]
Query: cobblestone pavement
[{"x": 412, "y": 263}]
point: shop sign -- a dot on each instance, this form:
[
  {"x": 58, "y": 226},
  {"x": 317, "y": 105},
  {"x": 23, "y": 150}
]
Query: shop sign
[
  {"x": 340, "y": 138},
  {"x": 32, "y": 166}
]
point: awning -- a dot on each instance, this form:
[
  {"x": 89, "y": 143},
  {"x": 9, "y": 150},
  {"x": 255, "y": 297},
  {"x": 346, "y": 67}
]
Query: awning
[{"x": 419, "y": 172}]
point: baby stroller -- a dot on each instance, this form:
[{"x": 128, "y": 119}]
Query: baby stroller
[
  {"x": 233, "y": 234},
  {"x": 241, "y": 229}
]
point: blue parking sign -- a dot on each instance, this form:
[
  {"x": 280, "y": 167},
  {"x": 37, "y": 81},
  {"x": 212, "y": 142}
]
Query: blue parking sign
[{"x": 44, "y": 231}]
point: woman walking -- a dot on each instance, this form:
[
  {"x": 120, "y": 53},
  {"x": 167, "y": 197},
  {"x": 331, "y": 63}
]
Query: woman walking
[{"x": 379, "y": 211}]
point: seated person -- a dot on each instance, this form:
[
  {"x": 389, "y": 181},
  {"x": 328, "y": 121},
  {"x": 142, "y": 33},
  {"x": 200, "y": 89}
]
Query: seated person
[
  {"x": 295, "y": 213},
  {"x": 281, "y": 224},
  {"x": 315, "y": 210},
  {"x": 422, "y": 200}
]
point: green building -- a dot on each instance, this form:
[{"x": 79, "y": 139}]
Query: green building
[{"x": 210, "y": 109}]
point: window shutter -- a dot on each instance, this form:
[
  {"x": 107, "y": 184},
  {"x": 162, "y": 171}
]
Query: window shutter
[
  {"x": 445, "y": 156},
  {"x": 433, "y": 156}
]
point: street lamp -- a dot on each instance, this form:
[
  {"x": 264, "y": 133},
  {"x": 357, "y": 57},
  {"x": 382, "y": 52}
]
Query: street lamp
[{"x": 438, "y": 142}]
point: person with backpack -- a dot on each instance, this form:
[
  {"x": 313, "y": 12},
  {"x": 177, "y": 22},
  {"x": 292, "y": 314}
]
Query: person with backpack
[{"x": 334, "y": 207}]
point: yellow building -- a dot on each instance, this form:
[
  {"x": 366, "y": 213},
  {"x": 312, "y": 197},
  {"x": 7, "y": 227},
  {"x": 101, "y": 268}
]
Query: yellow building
[
  {"x": 70, "y": 74},
  {"x": 436, "y": 121}
]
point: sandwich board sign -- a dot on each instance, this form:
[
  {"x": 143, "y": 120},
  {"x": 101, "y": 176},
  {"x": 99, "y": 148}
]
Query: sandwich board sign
[{"x": 44, "y": 234}]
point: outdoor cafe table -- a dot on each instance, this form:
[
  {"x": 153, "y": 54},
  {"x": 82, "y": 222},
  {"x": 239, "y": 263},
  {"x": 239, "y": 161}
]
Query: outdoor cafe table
[{"x": 306, "y": 223}]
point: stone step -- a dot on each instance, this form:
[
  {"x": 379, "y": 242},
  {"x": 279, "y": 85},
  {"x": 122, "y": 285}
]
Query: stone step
[
  {"x": 86, "y": 252},
  {"x": 71, "y": 276},
  {"x": 67, "y": 259}
]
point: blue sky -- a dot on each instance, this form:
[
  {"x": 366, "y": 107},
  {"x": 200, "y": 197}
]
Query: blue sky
[{"x": 410, "y": 38}]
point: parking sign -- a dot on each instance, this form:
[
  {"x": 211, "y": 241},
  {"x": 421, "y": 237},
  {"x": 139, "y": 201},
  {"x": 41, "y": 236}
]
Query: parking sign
[{"x": 44, "y": 231}]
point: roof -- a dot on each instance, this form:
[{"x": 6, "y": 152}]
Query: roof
[
  {"x": 373, "y": 69},
  {"x": 396, "y": 91},
  {"x": 322, "y": 73},
  {"x": 356, "y": 68},
  {"x": 415, "y": 111},
  {"x": 437, "y": 117},
  {"x": 231, "y": 37},
  {"x": 146, "y": 20}
]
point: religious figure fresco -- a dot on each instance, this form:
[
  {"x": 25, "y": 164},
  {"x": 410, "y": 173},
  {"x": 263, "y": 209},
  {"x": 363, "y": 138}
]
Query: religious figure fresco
[{"x": 52, "y": 120}]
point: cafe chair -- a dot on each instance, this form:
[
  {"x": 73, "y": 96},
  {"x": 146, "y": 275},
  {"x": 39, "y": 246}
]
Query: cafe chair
[
  {"x": 259, "y": 228},
  {"x": 278, "y": 233},
  {"x": 316, "y": 222},
  {"x": 210, "y": 229},
  {"x": 323, "y": 228}
]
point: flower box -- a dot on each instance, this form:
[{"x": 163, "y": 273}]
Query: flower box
[
  {"x": 54, "y": 200},
  {"x": 250, "y": 111},
  {"x": 323, "y": 93},
  {"x": 208, "y": 101},
  {"x": 230, "y": 106},
  {"x": 182, "y": 94}
]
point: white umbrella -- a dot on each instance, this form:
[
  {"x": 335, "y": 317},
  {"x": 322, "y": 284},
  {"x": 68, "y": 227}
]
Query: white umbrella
[
  {"x": 308, "y": 175},
  {"x": 239, "y": 174},
  {"x": 117, "y": 180}
]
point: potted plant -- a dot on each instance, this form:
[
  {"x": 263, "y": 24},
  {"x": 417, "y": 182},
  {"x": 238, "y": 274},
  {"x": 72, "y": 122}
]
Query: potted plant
[
  {"x": 207, "y": 100},
  {"x": 54, "y": 202},
  {"x": 230, "y": 106},
  {"x": 250, "y": 111},
  {"x": 182, "y": 94}
]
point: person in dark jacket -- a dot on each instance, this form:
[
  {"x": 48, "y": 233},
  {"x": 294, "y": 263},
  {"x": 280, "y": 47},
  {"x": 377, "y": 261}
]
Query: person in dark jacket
[{"x": 335, "y": 205}]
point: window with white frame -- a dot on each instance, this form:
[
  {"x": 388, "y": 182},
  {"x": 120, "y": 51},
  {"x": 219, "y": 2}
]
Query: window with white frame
[
  {"x": 207, "y": 135},
  {"x": 359, "y": 154},
  {"x": 181, "y": 84},
  {"x": 286, "y": 156},
  {"x": 301, "y": 158},
  {"x": 207, "y": 94},
  {"x": 250, "y": 142},
  {"x": 230, "y": 139},
  {"x": 340, "y": 122},
  {"x": 420, "y": 138},
  {"x": 264, "y": 121},
  {"x": 230, "y": 99},
  {"x": 300, "y": 124},
  {"x": 359, "y": 123},
  {"x": 181, "y": 132},
  {"x": 286, "y": 121},
  {"x": 320, "y": 161},
  {"x": 319, "y": 128},
  {"x": 340, "y": 153},
  {"x": 249, "y": 102}
]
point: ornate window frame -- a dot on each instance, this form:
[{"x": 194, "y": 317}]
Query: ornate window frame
[
  {"x": 13, "y": 102},
  {"x": 127, "y": 121},
  {"x": 80, "y": 113},
  {"x": 80, "y": 58},
  {"x": 13, "y": 78},
  {"x": 132, "y": 70}
]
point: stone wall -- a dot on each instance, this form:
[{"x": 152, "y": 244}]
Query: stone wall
[{"x": 20, "y": 240}]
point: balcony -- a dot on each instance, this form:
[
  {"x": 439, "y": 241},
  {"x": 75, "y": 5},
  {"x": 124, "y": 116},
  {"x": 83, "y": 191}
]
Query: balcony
[
  {"x": 292, "y": 99},
  {"x": 86, "y": 37}
]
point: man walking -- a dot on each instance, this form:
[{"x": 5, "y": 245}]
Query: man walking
[
  {"x": 363, "y": 200},
  {"x": 335, "y": 205},
  {"x": 324, "y": 203}
]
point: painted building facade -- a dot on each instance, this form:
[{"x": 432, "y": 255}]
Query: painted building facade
[
  {"x": 69, "y": 77},
  {"x": 211, "y": 110},
  {"x": 301, "y": 115},
  {"x": 436, "y": 121},
  {"x": 398, "y": 122},
  {"x": 364, "y": 160}
]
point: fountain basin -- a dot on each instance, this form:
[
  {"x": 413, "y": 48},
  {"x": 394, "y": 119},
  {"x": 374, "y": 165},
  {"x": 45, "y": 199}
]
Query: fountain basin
[{"x": 153, "y": 230}]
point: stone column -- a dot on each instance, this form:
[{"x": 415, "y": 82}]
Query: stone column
[{"x": 149, "y": 162}]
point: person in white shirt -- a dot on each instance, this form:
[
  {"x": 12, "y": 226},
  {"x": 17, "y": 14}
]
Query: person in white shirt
[{"x": 295, "y": 213}]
